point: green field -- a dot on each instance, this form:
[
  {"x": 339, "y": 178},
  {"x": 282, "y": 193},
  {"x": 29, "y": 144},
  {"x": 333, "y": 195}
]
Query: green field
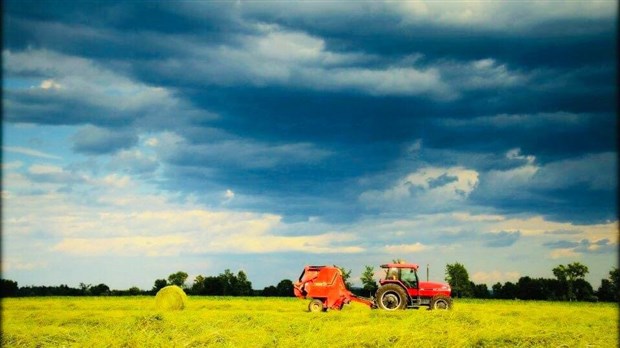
[{"x": 279, "y": 322}]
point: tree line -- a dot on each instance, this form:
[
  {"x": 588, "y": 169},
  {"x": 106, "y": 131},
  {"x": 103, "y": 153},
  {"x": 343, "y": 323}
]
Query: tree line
[
  {"x": 569, "y": 284},
  {"x": 224, "y": 284}
]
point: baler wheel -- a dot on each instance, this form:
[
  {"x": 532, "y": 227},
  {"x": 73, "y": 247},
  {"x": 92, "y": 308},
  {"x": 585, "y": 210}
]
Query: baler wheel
[
  {"x": 441, "y": 302},
  {"x": 391, "y": 297},
  {"x": 316, "y": 305}
]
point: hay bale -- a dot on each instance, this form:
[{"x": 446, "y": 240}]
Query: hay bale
[{"x": 170, "y": 297}]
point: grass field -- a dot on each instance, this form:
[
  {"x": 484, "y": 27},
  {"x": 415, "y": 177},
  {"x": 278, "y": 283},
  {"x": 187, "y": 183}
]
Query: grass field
[{"x": 278, "y": 322}]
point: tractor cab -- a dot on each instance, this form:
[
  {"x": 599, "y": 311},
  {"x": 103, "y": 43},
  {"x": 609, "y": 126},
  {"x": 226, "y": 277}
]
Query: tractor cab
[{"x": 401, "y": 272}]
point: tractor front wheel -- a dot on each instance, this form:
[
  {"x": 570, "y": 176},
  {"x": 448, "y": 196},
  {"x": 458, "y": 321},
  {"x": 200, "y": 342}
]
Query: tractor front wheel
[
  {"x": 316, "y": 305},
  {"x": 391, "y": 297},
  {"x": 441, "y": 302}
]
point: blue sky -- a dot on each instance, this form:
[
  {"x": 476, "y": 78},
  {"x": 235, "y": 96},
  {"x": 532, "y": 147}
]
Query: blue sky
[{"x": 142, "y": 138}]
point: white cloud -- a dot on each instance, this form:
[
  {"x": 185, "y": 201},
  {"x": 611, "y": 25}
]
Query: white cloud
[
  {"x": 47, "y": 84},
  {"x": 538, "y": 226},
  {"x": 569, "y": 254},
  {"x": 493, "y": 277},
  {"x": 597, "y": 171},
  {"x": 515, "y": 154},
  {"x": 11, "y": 165},
  {"x": 44, "y": 169},
  {"x": 407, "y": 15},
  {"x": 593, "y": 171},
  {"x": 500, "y": 15},
  {"x": 20, "y": 265},
  {"x": 86, "y": 85},
  {"x": 113, "y": 215},
  {"x": 133, "y": 161},
  {"x": 29, "y": 152},
  {"x": 481, "y": 74},
  {"x": 229, "y": 194},
  {"x": 405, "y": 248},
  {"x": 391, "y": 80},
  {"x": 431, "y": 187},
  {"x": 276, "y": 56},
  {"x": 240, "y": 153},
  {"x": 152, "y": 142}
]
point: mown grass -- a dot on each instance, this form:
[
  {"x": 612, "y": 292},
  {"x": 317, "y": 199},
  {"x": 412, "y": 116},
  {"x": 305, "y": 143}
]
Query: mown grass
[{"x": 279, "y": 322}]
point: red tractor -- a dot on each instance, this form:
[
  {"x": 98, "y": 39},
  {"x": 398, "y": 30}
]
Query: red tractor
[{"x": 400, "y": 289}]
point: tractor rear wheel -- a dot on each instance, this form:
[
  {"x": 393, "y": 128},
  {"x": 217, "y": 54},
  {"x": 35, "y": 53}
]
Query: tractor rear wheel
[
  {"x": 441, "y": 302},
  {"x": 316, "y": 305},
  {"x": 391, "y": 297}
]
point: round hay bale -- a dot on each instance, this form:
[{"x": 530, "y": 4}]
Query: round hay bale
[{"x": 171, "y": 297}]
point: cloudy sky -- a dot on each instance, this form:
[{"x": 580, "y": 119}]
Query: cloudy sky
[{"x": 142, "y": 138}]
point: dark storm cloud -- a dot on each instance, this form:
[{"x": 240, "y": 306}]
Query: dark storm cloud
[
  {"x": 561, "y": 244},
  {"x": 500, "y": 240},
  {"x": 309, "y": 105},
  {"x": 548, "y": 135},
  {"x": 584, "y": 246},
  {"x": 98, "y": 141},
  {"x": 563, "y": 232}
]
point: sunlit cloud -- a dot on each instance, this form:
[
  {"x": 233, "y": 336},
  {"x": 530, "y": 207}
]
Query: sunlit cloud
[{"x": 29, "y": 152}]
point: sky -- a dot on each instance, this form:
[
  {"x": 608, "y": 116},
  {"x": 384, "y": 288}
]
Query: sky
[{"x": 142, "y": 138}]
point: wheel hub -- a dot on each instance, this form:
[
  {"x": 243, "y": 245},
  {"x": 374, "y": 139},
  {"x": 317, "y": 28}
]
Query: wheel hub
[{"x": 390, "y": 301}]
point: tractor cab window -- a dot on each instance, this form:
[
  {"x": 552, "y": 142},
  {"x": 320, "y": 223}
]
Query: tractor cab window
[
  {"x": 409, "y": 277},
  {"x": 392, "y": 274}
]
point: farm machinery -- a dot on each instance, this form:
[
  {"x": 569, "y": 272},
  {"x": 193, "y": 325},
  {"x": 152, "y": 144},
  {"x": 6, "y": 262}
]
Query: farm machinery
[{"x": 400, "y": 289}]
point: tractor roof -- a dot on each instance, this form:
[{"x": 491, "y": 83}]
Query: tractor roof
[{"x": 400, "y": 265}]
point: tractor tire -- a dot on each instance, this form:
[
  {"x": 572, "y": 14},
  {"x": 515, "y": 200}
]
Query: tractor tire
[
  {"x": 392, "y": 297},
  {"x": 441, "y": 302},
  {"x": 315, "y": 306}
]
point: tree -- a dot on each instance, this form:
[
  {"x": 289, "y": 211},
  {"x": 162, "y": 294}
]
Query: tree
[
  {"x": 100, "y": 290},
  {"x": 614, "y": 276},
  {"x": 368, "y": 279},
  {"x": 497, "y": 290},
  {"x": 345, "y": 276},
  {"x": 8, "y": 288},
  {"x": 244, "y": 286},
  {"x": 229, "y": 283},
  {"x": 285, "y": 288},
  {"x": 458, "y": 278},
  {"x": 270, "y": 291},
  {"x": 509, "y": 290},
  {"x": 159, "y": 283},
  {"x": 213, "y": 286},
  {"x": 480, "y": 290},
  {"x": 527, "y": 289},
  {"x": 583, "y": 290},
  {"x": 198, "y": 286},
  {"x": 85, "y": 288},
  {"x": 608, "y": 291},
  {"x": 568, "y": 275},
  {"x": 134, "y": 291},
  {"x": 178, "y": 279}
]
